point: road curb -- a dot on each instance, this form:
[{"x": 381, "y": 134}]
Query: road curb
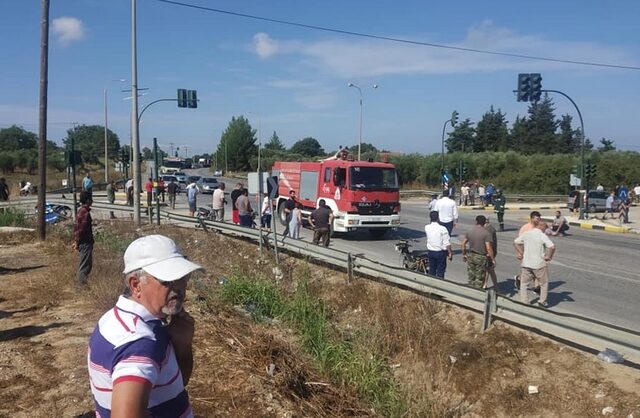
[{"x": 587, "y": 225}]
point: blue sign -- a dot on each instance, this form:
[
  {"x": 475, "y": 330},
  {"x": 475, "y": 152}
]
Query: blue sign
[{"x": 623, "y": 193}]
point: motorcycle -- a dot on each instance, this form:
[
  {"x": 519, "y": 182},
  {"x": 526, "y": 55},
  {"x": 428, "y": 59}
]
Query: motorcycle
[
  {"x": 54, "y": 213},
  {"x": 28, "y": 189},
  {"x": 415, "y": 260}
]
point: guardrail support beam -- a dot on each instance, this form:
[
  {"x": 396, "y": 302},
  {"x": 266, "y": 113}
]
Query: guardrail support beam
[
  {"x": 349, "y": 268},
  {"x": 489, "y": 308}
]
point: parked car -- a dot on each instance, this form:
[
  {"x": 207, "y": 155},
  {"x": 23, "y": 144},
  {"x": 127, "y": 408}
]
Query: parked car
[
  {"x": 194, "y": 179},
  {"x": 596, "y": 201},
  {"x": 208, "y": 184},
  {"x": 217, "y": 173},
  {"x": 181, "y": 176}
]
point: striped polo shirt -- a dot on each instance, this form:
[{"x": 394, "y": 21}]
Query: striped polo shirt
[{"x": 130, "y": 344}]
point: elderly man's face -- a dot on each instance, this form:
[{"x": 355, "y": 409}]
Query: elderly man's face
[{"x": 163, "y": 299}]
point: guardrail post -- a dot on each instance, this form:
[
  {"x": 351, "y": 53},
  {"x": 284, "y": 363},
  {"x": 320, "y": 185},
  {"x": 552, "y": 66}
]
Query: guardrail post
[
  {"x": 349, "y": 268},
  {"x": 489, "y": 308}
]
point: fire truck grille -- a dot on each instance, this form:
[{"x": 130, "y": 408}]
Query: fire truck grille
[{"x": 375, "y": 208}]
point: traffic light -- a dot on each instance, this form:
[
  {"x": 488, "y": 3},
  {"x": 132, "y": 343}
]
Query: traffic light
[
  {"x": 464, "y": 172},
  {"x": 577, "y": 170},
  {"x": 192, "y": 99},
  {"x": 524, "y": 87},
  {"x": 591, "y": 171},
  {"x": 535, "y": 87},
  {"x": 454, "y": 118},
  {"x": 182, "y": 98}
]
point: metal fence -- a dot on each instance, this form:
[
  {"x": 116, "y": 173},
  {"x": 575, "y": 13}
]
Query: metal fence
[{"x": 578, "y": 330}]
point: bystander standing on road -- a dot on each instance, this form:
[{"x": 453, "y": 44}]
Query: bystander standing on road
[
  {"x": 87, "y": 183},
  {"x": 321, "y": 220},
  {"x": 83, "y": 238},
  {"x": 472, "y": 193},
  {"x": 161, "y": 189},
  {"x": 636, "y": 192},
  {"x": 128, "y": 188},
  {"x": 148, "y": 187},
  {"x": 244, "y": 209},
  {"x": 141, "y": 351},
  {"x": 235, "y": 194},
  {"x": 265, "y": 220},
  {"x": 4, "y": 190},
  {"x": 296, "y": 221},
  {"x": 534, "y": 220},
  {"x": 481, "y": 194},
  {"x": 536, "y": 250},
  {"x": 192, "y": 193},
  {"x": 491, "y": 268},
  {"x": 499, "y": 206},
  {"x": 438, "y": 246},
  {"x": 600, "y": 188},
  {"x": 289, "y": 206},
  {"x": 447, "y": 211},
  {"x": 464, "y": 194},
  {"x": 608, "y": 205},
  {"x": 480, "y": 254},
  {"x": 111, "y": 196},
  {"x": 172, "y": 191},
  {"x": 432, "y": 203},
  {"x": 218, "y": 201}
]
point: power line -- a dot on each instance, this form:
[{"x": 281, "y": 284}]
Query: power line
[{"x": 391, "y": 39}]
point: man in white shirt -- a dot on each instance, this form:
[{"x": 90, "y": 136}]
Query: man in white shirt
[
  {"x": 438, "y": 245},
  {"x": 447, "y": 212},
  {"x": 432, "y": 203},
  {"x": 608, "y": 205},
  {"x": 464, "y": 190},
  {"x": 218, "y": 203},
  {"x": 636, "y": 192},
  {"x": 535, "y": 249}
]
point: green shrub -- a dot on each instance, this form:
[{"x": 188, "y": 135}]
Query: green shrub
[{"x": 12, "y": 217}]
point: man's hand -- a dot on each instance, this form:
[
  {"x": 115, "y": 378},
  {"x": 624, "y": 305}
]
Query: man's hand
[{"x": 74, "y": 246}]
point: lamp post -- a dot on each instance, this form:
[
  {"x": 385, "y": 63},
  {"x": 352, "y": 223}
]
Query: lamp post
[
  {"x": 453, "y": 121},
  {"x": 373, "y": 86},
  {"x": 106, "y": 146}
]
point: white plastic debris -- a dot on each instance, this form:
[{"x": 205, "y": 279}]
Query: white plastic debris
[
  {"x": 610, "y": 356},
  {"x": 271, "y": 369},
  {"x": 533, "y": 390},
  {"x": 453, "y": 359},
  {"x": 608, "y": 410}
]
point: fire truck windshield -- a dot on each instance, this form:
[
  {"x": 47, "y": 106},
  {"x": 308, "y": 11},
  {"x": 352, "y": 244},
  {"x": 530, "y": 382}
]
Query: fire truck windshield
[{"x": 368, "y": 178}]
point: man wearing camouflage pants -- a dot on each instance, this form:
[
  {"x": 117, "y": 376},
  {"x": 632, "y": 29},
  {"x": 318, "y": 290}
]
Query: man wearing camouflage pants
[{"x": 480, "y": 255}]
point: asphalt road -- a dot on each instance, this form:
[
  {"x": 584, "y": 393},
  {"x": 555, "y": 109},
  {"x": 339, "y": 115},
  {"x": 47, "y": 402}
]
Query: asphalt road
[{"x": 593, "y": 273}]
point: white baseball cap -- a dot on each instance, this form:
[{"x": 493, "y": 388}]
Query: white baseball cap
[{"x": 159, "y": 256}]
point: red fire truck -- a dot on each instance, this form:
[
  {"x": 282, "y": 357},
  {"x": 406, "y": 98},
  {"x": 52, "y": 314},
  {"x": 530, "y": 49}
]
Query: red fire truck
[{"x": 361, "y": 194}]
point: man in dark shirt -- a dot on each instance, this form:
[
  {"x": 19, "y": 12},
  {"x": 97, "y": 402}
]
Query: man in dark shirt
[
  {"x": 289, "y": 206},
  {"x": 172, "y": 189},
  {"x": 235, "y": 194},
  {"x": 480, "y": 255},
  {"x": 83, "y": 238},
  {"x": 321, "y": 220}
]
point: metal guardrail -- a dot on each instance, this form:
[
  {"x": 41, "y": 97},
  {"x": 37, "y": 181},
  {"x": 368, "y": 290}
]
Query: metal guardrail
[
  {"x": 579, "y": 330},
  {"x": 512, "y": 198}
]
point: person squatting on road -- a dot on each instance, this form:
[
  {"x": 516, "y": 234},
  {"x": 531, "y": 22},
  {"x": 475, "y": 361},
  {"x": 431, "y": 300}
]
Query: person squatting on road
[
  {"x": 480, "y": 255},
  {"x": 447, "y": 211},
  {"x": 499, "y": 206},
  {"x": 438, "y": 246},
  {"x": 536, "y": 250},
  {"x": 321, "y": 220},
  {"x": 140, "y": 355},
  {"x": 217, "y": 205},
  {"x": 83, "y": 238},
  {"x": 559, "y": 225}
]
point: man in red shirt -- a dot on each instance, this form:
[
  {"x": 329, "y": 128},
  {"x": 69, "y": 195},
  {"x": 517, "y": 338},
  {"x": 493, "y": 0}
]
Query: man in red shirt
[
  {"x": 83, "y": 238},
  {"x": 148, "y": 187}
]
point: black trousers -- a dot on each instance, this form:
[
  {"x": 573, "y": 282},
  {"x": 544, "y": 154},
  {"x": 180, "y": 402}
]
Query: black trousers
[{"x": 86, "y": 263}]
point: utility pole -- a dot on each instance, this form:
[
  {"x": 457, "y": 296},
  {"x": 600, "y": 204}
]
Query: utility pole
[
  {"x": 42, "y": 131},
  {"x": 135, "y": 138},
  {"x": 106, "y": 149}
]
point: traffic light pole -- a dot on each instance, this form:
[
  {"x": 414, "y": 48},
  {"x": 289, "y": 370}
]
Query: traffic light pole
[{"x": 584, "y": 209}]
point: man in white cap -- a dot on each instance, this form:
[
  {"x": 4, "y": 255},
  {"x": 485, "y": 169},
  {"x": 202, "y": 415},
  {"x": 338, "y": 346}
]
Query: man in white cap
[{"x": 140, "y": 354}]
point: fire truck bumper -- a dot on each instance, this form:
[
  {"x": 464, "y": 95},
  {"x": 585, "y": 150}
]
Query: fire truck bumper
[{"x": 351, "y": 222}]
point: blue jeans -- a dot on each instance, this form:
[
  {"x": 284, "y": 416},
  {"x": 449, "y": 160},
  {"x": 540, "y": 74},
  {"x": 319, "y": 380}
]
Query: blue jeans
[
  {"x": 448, "y": 225},
  {"x": 437, "y": 263}
]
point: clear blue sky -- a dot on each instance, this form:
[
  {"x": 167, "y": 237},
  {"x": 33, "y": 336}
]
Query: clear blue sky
[{"x": 294, "y": 80}]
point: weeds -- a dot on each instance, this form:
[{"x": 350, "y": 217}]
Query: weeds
[
  {"x": 12, "y": 217},
  {"x": 351, "y": 363}
]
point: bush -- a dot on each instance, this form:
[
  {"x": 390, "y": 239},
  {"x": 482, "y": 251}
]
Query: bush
[{"x": 12, "y": 217}]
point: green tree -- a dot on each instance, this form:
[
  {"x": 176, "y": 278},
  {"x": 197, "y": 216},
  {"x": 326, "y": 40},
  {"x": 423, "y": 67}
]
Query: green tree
[
  {"x": 491, "y": 132},
  {"x": 7, "y": 162},
  {"x": 89, "y": 140},
  {"x": 274, "y": 143},
  {"x": 462, "y": 137},
  {"x": 542, "y": 126},
  {"x": 308, "y": 147},
  {"x": 15, "y": 138},
  {"x": 238, "y": 144},
  {"x": 607, "y": 145},
  {"x": 569, "y": 139}
]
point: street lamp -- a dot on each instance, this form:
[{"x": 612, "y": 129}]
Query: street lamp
[
  {"x": 373, "y": 86},
  {"x": 453, "y": 121},
  {"x": 106, "y": 148}
]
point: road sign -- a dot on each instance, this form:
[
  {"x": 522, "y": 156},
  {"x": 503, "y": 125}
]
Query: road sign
[
  {"x": 272, "y": 186},
  {"x": 575, "y": 181}
]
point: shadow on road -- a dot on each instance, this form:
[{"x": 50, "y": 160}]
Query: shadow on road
[
  {"x": 7, "y": 270},
  {"x": 6, "y": 314},
  {"x": 28, "y": 331}
]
